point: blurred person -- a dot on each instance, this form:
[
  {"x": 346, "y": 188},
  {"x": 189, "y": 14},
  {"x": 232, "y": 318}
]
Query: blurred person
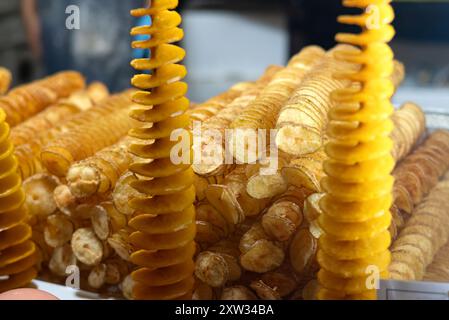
[
  {"x": 100, "y": 48},
  {"x": 14, "y": 50}
]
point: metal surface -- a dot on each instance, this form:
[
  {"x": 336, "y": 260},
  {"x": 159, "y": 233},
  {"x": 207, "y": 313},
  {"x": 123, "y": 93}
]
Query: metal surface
[{"x": 412, "y": 290}]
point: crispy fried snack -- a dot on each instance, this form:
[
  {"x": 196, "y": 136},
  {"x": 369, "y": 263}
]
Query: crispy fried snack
[
  {"x": 56, "y": 114},
  {"x": 120, "y": 243},
  {"x": 263, "y": 111},
  {"x": 61, "y": 258},
  {"x": 310, "y": 290},
  {"x": 259, "y": 253},
  {"x": 424, "y": 234},
  {"x": 212, "y": 137},
  {"x": 302, "y": 253},
  {"x": 164, "y": 220},
  {"x": 202, "y": 183},
  {"x": 280, "y": 282},
  {"x": 97, "y": 91},
  {"x": 58, "y": 230},
  {"x": 438, "y": 270},
  {"x": 82, "y": 239},
  {"x": 262, "y": 185},
  {"x": 356, "y": 207},
  {"x": 123, "y": 193},
  {"x": 211, "y": 107},
  {"x": 25, "y": 101},
  {"x": 306, "y": 170},
  {"x": 87, "y": 133},
  {"x": 99, "y": 173},
  {"x": 303, "y": 119},
  {"x": 285, "y": 215},
  {"x": 5, "y": 80},
  {"x": 17, "y": 252},
  {"x": 419, "y": 172},
  {"x": 97, "y": 276},
  {"x": 409, "y": 126},
  {"x": 29, "y": 154},
  {"x": 264, "y": 291},
  {"x": 232, "y": 201},
  {"x": 219, "y": 264},
  {"x": 77, "y": 208},
  {"x": 39, "y": 194},
  {"x": 211, "y": 225}
]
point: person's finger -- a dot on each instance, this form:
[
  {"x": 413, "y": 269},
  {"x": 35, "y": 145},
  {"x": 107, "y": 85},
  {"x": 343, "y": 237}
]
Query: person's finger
[{"x": 27, "y": 294}]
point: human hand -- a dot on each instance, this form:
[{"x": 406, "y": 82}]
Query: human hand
[{"x": 27, "y": 294}]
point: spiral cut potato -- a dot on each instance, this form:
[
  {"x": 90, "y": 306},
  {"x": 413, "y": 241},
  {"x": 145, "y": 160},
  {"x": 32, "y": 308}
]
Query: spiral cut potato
[
  {"x": 5, "y": 80},
  {"x": 97, "y": 92},
  {"x": 424, "y": 234},
  {"x": 303, "y": 119},
  {"x": 276, "y": 284},
  {"x": 438, "y": 270},
  {"x": 419, "y": 172},
  {"x": 87, "y": 134},
  {"x": 25, "y": 101},
  {"x": 358, "y": 186},
  {"x": 280, "y": 232},
  {"x": 312, "y": 212},
  {"x": 29, "y": 154},
  {"x": 211, "y": 225},
  {"x": 39, "y": 194},
  {"x": 232, "y": 201},
  {"x": 99, "y": 173},
  {"x": 259, "y": 252},
  {"x": 164, "y": 219},
  {"x": 285, "y": 215},
  {"x": 306, "y": 170},
  {"x": 410, "y": 125},
  {"x": 211, "y": 107},
  {"x": 302, "y": 254},
  {"x": 261, "y": 184},
  {"x": 55, "y": 114},
  {"x": 17, "y": 251},
  {"x": 263, "y": 111},
  {"x": 202, "y": 183},
  {"x": 211, "y": 139},
  {"x": 219, "y": 264}
]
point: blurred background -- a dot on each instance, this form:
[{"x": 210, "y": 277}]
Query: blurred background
[{"x": 226, "y": 40}]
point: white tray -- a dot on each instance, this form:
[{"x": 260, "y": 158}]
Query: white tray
[{"x": 67, "y": 293}]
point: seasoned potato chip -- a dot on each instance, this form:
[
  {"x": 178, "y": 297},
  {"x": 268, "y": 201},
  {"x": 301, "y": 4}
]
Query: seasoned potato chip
[
  {"x": 87, "y": 247},
  {"x": 39, "y": 194},
  {"x": 302, "y": 251}
]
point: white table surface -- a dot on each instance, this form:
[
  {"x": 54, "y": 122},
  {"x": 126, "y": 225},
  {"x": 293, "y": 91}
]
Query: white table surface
[{"x": 67, "y": 293}]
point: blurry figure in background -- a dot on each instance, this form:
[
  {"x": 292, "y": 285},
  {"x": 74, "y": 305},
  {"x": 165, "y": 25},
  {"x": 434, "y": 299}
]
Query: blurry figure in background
[
  {"x": 14, "y": 51},
  {"x": 100, "y": 49}
]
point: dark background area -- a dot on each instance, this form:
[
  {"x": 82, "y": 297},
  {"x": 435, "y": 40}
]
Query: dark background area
[{"x": 101, "y": 48}]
